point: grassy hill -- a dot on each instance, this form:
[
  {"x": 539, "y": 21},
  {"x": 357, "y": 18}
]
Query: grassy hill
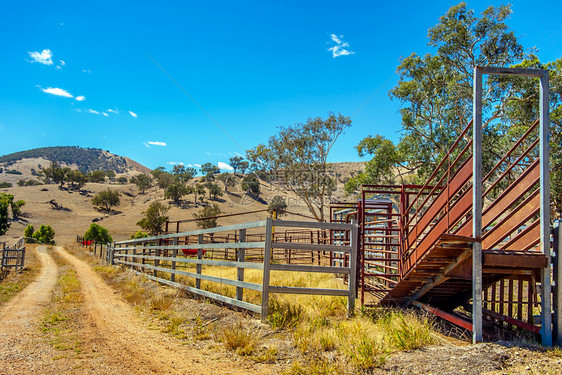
[{"x": 84, "y": 159}]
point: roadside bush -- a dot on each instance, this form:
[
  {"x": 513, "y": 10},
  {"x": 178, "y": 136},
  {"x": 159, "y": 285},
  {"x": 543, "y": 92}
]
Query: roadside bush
[
  {"x": 28, "y": 233},
  {"x": 139, "y": 234},
  {"x": 45, "y": 235},
  {"x": 98, "y": 234}
]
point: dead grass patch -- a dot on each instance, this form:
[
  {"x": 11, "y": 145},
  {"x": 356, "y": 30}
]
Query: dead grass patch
[{"x": 15, "y": 281}]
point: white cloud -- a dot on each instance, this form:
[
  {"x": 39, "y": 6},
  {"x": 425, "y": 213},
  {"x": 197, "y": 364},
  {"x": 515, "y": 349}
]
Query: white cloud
[
  {"x": 62, "y": 63},
  {"x": 224, "y": 167},
  {"x": 87, "y": 71},
  {"x": 133, "y": 114},
  {"x": 58, "y": 92},
  {"x": 340, "y": 49},
  {"x": 175, "y": 162},
  {"x": 197, "y": 165},
  {"x": 93, "y": 111},
  {"x": 80, "y": 98},
  {"x": 112, "y": 111},
  {"x": 58, "y": 68},
  {"x": 156, "y": 143},
  {"x": 105, "y": 114},
  {"x": 44, "y": 57}
]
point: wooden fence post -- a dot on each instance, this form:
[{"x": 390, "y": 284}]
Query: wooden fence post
[
  {"x": 174, "y": 255},
  {"x": 266, "y": 269},
  {"x": 241, "y": 258},
  {"x": 198, "y": 267},
  {"x": 157, "y": 261},
  {"x": 353, "y": 242}
]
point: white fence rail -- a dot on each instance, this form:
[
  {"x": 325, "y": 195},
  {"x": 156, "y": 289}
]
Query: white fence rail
[{"x": 154, "y": 256}]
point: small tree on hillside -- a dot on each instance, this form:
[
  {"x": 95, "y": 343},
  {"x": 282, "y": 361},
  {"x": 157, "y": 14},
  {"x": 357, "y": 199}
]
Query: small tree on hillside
[
  {"x": 143, "y": 182},
  {"x": 243, "y": 166},
  {"x": 251, "y": 185},
  {"x": 199, "y": 192},
  {"x": 214, "y": 190},
  {"x": 5, "y": 201},
  {"x": 97, "y": 176},
  {"x": 235, "y": 162},
  {"x": 16, "y": 208},
  {"x": 163, "y": 178},
  {"x": 227, "y": 179},
  {"x": 299, "y": 155},
  {"x": 155, "y": 218},
  {"x": 278, "y": 205},
  {"x": 98, "y": 234},
  {"x": 176, "y": 191},
  {"x": 207, "y": 216},
  {"x": 28, "y": 232},
  {"x": 106, "y": 199}
]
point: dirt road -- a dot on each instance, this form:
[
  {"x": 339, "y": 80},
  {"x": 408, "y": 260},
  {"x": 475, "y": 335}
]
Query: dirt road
[
  {"x": 113, "y": 339},
  {"x": 22, "y": 348}
]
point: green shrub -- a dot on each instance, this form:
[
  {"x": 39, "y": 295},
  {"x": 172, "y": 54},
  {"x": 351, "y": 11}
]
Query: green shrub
[
  {"x": 45, "y": 235},
  {"x": 98, "y": 234}
]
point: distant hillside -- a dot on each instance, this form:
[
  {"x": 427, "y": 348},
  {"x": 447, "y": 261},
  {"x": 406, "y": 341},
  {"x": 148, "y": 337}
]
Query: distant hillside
[{"x": 85, "y": 159}]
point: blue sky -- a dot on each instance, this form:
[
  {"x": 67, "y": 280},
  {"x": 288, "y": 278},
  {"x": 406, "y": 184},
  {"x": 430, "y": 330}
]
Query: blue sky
[{"x": 251, "y": 66}]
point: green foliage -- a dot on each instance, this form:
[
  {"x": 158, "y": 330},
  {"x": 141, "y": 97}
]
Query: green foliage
[
  {"x": 227, "y": 179},
  {"x": 382, "y": 168},
  {"x": 163, "y": 178},
  {"x": 45, "y": 235},
  {"x": 138, "y": 234},
  {"x": 143, "y": 182},
  {"x": 28, "y": 232},
  {"x": 5, "y": 202},
  {"x": 106, "y": 199},
  {"x": 235, "y": 162},
  {"x": 13, "y": 171},
  {"x": 278, "y": 205},
  {"x": 298, "y": 154},
  {"x": 435, "y": 91},
  {"x": 76, "y": 178},
  {"x": 4, "y": 185},
  {"x": 251, "y": 184},
  {"x": 207, "y": 216},
  {"x": 155, "y": 218},
  {"x": 122, "y": 180},
  {"x": 96, "y": 176},
  {"x": 284, "y": 315},
  {"x": 199, "y": 191},
  {"x": 98, "y": 234},
  {"x": 243, "y": 166},
  {"x": 183, "y": 174},
  {"x": 16, "y": 208},
  {"x": 29, "y": 183},
  {"x": 209, "y": 169},
  {"x": 87, "y": 159},
  {"x": 176, "y": 191},
  {"x": 214, "y": 190}
]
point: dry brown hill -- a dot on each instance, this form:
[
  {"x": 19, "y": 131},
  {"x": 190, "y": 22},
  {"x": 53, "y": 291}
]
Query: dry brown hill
[{"x": 78, "y": 212}]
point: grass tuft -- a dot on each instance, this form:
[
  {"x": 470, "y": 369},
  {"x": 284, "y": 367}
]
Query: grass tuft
[{"x": 239, "y": 339}]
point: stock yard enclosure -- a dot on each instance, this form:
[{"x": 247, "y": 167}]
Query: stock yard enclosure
[
  {"x": 233, "y": 249},
  {"x": 473, "y": 245}
]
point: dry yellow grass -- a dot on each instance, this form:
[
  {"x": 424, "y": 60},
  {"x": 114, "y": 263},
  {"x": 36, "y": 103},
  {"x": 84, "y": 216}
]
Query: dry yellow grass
[{"x": 15, "y": 281}]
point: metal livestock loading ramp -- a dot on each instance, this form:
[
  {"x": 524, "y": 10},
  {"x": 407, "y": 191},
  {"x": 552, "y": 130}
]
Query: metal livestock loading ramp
[{"x": 467, "y": 238}]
